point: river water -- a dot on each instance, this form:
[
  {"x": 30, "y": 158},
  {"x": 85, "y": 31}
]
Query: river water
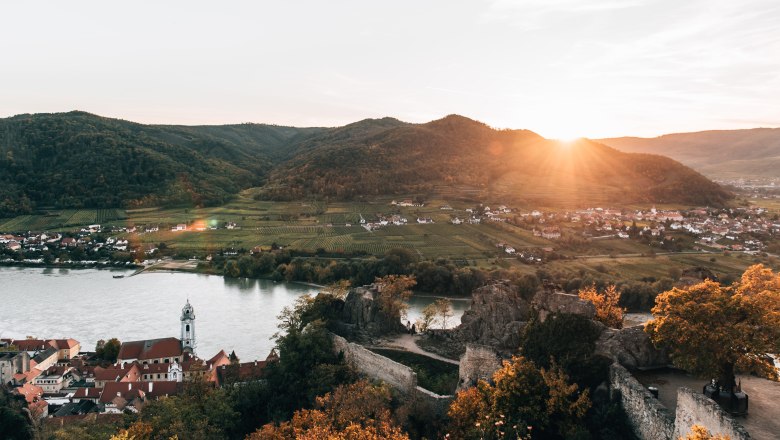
[{"x": 89, "y": 304}]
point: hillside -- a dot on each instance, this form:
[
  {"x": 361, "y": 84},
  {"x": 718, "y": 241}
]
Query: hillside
[
  {"x": 455, "y": 151},
  {"x": 76, "y": 159},
  {"x": 81, "y": 160},
  {"x": 719, "y": 154}
]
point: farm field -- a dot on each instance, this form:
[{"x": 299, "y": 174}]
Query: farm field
[{"x": 335, "y": 227}]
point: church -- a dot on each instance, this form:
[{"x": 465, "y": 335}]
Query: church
[{"x": 165, "y": 350}]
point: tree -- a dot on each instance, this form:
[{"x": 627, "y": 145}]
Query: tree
[
  {"x": 608, "y": 311},
  {"x": 523, "y": 398},
  {"x": 711, "y": 330},
  {"x": 15, "y": 421},
  {"x": 339, "y": 289},
  {"x": 699, "y": 432},
  {"x": 394, "y": 292},
  {"x": 428, "y": 316},
  {"x": 444, "y": 310},
  {"x": 108, "y": 350},
  {"x": 351, "y": 412}
]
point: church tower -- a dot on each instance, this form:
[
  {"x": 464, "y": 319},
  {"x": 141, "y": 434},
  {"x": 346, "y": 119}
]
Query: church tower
[{"x": 188, "y": 329}]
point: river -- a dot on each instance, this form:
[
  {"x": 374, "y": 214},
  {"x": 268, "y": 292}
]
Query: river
[{"x": 89, "y": 304}]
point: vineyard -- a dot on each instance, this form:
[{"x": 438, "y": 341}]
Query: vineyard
[{"x": 308, "y": 226}]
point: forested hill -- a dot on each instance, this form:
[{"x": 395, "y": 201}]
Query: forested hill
[
  {"x": 385, "y": 157},
  {"x": 725, "y": 154},
  {"x": 78, "y": 159}
]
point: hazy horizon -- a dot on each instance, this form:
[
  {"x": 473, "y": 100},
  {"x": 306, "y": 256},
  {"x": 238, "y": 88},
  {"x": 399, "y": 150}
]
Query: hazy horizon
[{"x": 561, "y": 68}]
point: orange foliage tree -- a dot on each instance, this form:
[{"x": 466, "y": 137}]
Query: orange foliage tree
[
  {"x": 521, "y": 399},
  {"x": 711, "y": 330},
  {"x": 358, "y": 411},
  {"x": 699, "y": 432},
  {"x": 608, "y": 311}
]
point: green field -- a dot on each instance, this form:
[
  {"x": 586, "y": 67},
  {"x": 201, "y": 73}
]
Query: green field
[{"x": 317, "y": 225}]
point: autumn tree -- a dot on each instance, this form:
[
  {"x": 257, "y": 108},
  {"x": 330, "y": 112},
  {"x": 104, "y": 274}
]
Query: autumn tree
[
  {"x": 699, "y": 432},
  {"x": 608, "y": 311},
  {"x": 711, "y": 330},
  {"x": 522, "y": 398},
  {"x": 427, "y": 316},
  {"x": 444, "y": 310},
  {"x": 394, "y": 292},
  {"x": 351, "y": 412}
]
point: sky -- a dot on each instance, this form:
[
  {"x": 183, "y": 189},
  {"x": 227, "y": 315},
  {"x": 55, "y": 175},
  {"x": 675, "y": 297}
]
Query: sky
[{"x": 562, "y": 68}]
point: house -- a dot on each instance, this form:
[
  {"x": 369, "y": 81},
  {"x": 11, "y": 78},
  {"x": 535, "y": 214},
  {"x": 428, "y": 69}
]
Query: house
[
  {"x": 45, "y": 359},
  {"x": 180, "y": 227},
  {"x": 91, "y": 393},
  {"x": 245, "y": 371},
  {"x": 551, "y": 233},
  {"x": 424, "y": 221},
  {"x": 509, "y": 250},
  {"x": 456, "y": 221},
  {"x": 68, "y": 242},
  {"x": 54, "y": 379},
  {"x": 67, "y": 348},
  {"x": 131, "y": 396},
  {"x": 125, "y": 373},
  {"x": 33, "y": 395}
]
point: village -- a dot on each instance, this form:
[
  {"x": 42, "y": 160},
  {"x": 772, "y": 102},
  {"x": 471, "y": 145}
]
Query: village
[
  {"x": 59, "y": 380},
  {"x": 743, "y": 229}
]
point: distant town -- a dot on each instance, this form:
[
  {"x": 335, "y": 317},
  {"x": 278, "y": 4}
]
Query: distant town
[{"x": 743, "y": 229}]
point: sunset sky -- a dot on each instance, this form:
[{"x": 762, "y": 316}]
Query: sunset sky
[{"x": 562, "y": 68}]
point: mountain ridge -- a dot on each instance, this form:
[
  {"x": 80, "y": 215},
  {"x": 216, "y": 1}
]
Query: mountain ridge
[
  {"x": 77, "y": 159},
  {"x": 724, "y": 154}
]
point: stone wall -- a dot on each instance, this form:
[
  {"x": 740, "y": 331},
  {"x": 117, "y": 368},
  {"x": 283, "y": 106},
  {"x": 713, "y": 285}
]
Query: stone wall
[
  {"x": 478, "y": 363},
  {"x": 431, "y": 402},
  {"x": 376, "y": 366},
  {"x": 649, "y": 418},
  {"x": 696, "y": 409}
]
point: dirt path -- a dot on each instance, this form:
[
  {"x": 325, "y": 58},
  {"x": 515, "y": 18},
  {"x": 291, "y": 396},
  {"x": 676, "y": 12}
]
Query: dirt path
[{"x": 406, "y": 342}]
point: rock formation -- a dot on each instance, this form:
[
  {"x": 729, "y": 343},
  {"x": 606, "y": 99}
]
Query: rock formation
[
  {"x": 631, "y": 347},
  {"x": 363, "y": 312},
  {"x": 496, "y": 317}
]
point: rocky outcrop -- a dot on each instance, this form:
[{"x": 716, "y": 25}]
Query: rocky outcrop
[
  {"x": 496, "y": 318},
  {"x": 363, "y": 313},
  {"x": 547, "y": 303},
  {"x": 631, "y": 347}
]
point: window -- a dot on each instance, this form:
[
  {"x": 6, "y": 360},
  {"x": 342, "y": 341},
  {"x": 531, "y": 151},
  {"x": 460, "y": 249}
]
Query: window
[
  {"x": 187, "y": 327},
  {"x": 158, "y": 375}
]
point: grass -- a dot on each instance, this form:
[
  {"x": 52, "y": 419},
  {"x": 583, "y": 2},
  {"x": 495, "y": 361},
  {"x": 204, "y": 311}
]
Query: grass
[{"x": 432, "y": 374}]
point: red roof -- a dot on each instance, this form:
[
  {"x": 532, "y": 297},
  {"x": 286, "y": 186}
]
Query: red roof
[
  {"x": 150, "y": 349},
  {"x": 63, "y": 344},
  {"x": 87, "y": 393},
  {"x": 131, "y": 390},
  {"x": 129, "y": 373},
  {"x": 32, "y": 344},
  {"x": 30, "y": 392}
]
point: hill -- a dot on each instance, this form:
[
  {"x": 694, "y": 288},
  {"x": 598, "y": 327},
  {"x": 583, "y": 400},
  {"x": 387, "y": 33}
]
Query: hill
[
  {"x": 78, "y": 159},
  {"x": 373, "y": 157},
  {"x": 720, "y": 154}
]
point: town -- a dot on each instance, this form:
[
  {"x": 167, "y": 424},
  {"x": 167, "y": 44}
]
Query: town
[{"x": 60, "y": 380}]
